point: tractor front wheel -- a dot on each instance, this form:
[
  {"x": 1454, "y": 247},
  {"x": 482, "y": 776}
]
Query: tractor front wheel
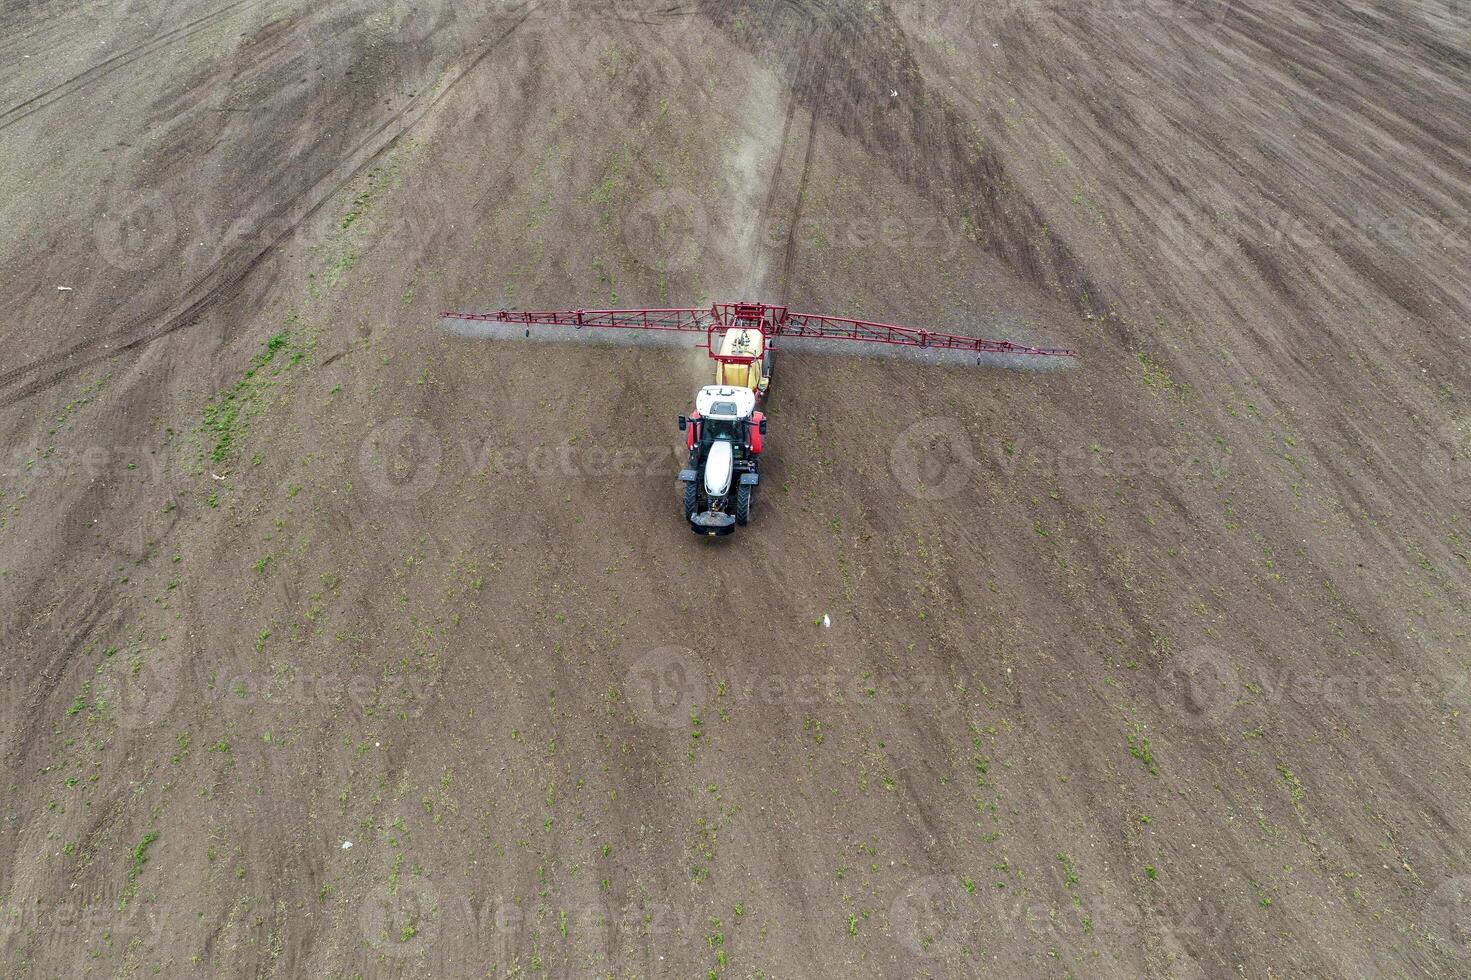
[
  {"x": 743, "y": 504},
  {"x": 690, "y": 499}
]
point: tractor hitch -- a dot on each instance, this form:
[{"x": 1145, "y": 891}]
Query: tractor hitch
[{"x": 711, "y": 523}]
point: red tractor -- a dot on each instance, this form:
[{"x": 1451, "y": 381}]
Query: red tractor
[{"x": 723, "y": 435}]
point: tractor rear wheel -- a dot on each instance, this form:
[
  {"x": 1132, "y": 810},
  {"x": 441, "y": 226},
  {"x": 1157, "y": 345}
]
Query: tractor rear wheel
[
  {"x": 743, "y": 504},
  {"x": 690, "y": 499}
]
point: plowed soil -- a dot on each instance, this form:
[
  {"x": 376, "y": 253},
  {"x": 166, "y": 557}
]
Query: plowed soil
[{"x": 338, "y": 646}]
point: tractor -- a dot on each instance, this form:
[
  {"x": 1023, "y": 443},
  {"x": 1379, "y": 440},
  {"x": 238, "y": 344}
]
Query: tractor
[{"x": 724, "y": 435}]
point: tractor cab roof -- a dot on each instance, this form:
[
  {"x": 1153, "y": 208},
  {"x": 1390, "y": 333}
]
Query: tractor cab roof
[{"x": 725, "y": 402}]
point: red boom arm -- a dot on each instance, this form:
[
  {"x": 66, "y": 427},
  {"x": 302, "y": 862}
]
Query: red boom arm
[
  {"x": 817, "y": 327},
  {"x": 772, "y": 321},
  {"x": 690, "y": 321}
]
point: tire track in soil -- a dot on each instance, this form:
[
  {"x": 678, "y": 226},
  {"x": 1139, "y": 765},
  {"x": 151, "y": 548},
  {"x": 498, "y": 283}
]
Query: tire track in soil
[
  {"x": 122, "y": 59},
  {"x": 771, "y": 190},
  {"x": 789, "y": 254},
  {"x": 850, "y": 56},
  {"x": 227, "y": 274},
  {"x": 794, "y": 99}
]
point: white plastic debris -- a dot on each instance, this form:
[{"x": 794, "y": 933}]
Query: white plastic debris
[
  {"x": 826, "y": 623},
  {"x": 63, "y": 289},
  {"x": 346, "y": 845}
]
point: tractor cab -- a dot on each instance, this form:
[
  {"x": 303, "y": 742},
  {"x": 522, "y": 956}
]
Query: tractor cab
[
  {"x": 727, "y": 407},
  {"x": 724, "y": 437}
]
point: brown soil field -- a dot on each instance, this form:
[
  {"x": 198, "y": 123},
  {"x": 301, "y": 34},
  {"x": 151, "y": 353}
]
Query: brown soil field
[{"x": 337, "y": 646}]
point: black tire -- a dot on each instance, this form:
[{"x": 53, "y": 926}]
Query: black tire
[
  {"x": 743, "y": 504},
  {"x": 691, "y": 500}
]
